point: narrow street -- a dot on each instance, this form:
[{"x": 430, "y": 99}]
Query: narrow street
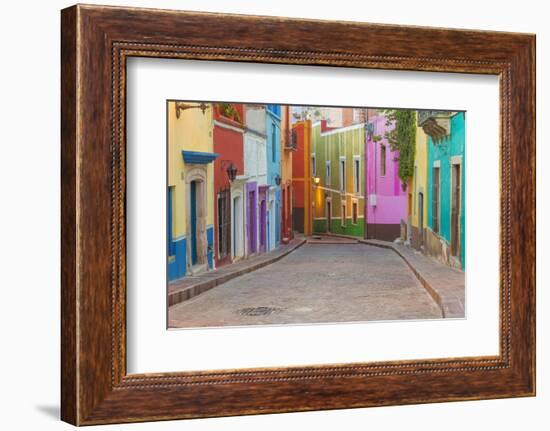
[{"x": 317, "y": 283}]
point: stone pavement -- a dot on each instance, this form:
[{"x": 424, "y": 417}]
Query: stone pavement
[
  {"x": 316, "y": 283},
  {"x": 446, "y": 285},
  {"x": 190, "y": 286}
]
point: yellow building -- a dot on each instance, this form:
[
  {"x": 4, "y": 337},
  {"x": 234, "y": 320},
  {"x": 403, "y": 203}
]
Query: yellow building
[
  {"x": 190, "y": 194},
  {"x": 417, "y": 198}
]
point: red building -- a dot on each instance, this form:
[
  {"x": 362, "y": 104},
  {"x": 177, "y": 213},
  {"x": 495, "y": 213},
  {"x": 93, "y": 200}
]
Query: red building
[{"x": 228, "y": 144}]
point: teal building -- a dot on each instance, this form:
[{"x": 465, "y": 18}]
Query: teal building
[{"x": 446, "y": 224}]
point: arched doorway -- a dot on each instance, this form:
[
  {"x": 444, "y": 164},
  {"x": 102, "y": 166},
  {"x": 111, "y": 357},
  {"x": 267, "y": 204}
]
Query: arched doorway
[{"x": 196, "y": 221}]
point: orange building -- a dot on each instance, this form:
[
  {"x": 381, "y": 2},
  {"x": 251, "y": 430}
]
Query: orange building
[{"x": 303, "y": 169}]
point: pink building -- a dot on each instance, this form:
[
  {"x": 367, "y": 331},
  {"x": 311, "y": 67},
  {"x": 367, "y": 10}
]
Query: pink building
[{"x": 386, "y": 201}]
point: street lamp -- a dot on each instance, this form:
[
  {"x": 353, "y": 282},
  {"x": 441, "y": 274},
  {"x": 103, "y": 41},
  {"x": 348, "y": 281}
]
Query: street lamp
[
  {"x": 232, "y": 172},
  {"x": 316, "y": 180},
  {"x": 278, "y": 179}
]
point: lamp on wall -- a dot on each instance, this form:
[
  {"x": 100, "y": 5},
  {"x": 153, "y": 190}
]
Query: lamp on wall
[
  {"x": 278, "y": 179},
  {"x": 316, "y": 180},
  {"x": 232, "y": 172},
  {"x": 180, "y": 106}
]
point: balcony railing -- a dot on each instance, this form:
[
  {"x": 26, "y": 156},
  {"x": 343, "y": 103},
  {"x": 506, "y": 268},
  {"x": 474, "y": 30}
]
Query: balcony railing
[
  {"x": 291, "y": 140},
  {"x": 423, "y": 116}
]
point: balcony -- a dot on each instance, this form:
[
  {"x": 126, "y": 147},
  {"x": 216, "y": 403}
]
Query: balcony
[
  {"x": 291, "y": 141},
  {"x": 436, "y": 124}
]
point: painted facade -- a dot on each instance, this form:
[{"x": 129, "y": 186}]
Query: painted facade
[
  {"x": 387, "y": 199},
  {"x": 190, "y": 202},
  {"x": 339, "y": 197},
  {"x": 255, "y": 170},
  {"x": 303, "y": 169},
  {"x": 417, "y": 194},
  {"x": 445, "y": 233},
  {"x": 287, "y": 148},
  {"x": 274, "y": 179},
  {"x": 228, "y": 131}
]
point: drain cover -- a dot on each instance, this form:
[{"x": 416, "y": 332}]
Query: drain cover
[{"x": 259, "y": 311}]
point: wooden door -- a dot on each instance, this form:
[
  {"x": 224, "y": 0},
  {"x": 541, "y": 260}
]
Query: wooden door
[
  {"x": 420, "y": 210},
  {"x": 193, "y": 217},
  {"x": 329, "y": 215},
  {"x": 455, "y": 210}
]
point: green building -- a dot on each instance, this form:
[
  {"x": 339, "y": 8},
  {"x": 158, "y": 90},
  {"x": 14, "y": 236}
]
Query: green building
[{"x": 338, "y": 169}]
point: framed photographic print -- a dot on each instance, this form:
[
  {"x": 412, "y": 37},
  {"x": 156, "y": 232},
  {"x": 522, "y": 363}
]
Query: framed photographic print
[{"x": 259, "y": 216}]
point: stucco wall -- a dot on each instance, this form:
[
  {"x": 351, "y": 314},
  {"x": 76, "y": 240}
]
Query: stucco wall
[
  {"x": 391, "y": 199},
  {"x": 192, "y": 131},
  {"x": 444, "y": 151},
  {"x": 420, "y": 178},
  {"x": 347, "y": 144}
]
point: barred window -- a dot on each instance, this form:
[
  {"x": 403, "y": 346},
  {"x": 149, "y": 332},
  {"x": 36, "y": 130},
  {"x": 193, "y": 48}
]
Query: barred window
[{"x": 224, "y": 223}]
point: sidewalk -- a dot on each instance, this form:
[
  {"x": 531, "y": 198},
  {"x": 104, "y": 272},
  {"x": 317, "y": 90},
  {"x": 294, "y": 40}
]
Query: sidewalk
[
  {"x": 445, "y": 285},
  {"x": 187, "y": 287}
]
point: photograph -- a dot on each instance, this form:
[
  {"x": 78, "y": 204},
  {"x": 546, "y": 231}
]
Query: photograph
[{"x": 282, "y": 214}]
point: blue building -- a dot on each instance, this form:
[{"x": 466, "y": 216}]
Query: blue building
[
  {"x": 445, "y": 236},
  {"x": 273, "y": 148}
]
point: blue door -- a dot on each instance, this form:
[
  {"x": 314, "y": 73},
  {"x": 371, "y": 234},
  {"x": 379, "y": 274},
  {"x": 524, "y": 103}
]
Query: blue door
[{"x": 193, "y": 210}]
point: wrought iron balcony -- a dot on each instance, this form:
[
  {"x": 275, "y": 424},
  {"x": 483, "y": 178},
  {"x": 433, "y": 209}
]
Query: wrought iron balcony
[{"x": 291, "y": 141}]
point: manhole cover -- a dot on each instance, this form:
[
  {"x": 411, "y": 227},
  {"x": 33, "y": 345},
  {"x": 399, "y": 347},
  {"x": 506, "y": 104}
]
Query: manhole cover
[{"x": 259, "y": 311}]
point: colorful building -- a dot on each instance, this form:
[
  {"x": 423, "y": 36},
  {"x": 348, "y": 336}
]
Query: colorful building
[
  {"x": 338, "y": 156},
  {"x": 190, "y": 194},
  {"x": 445, "y": 233},
  {"x": 417, "y": 194},
  {"x": 303, "y": 170},
  {"x": 255, "y": 171},
  {"x": 228, "y": 131},
  {"x": 273, "y": 193},
  {"x": 387, "y": 199},
  {"x": 288, "y": 146}
]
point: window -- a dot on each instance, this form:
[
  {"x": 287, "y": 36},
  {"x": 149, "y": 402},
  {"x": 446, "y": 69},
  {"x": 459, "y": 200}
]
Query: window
[
  {"x": 327, "y": 173},
  {"x": 357, "y": 174},
  {"x": 435, "y": 199},
  {"x": 382, "y": 160},
  {"x": 343, "y": 220},
  {"x": 313, "y": 166},
  {"x": 169, "y": 223},
  {"x": 342, "y": 174},
  {"x": 354, "y": 213},
  {"x": 273, "y": 142},
  {"x": 224, "y": 223}
]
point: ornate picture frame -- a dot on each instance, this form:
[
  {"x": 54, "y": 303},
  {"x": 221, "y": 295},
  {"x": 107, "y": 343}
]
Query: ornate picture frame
[{"x": 96, "y": 41}]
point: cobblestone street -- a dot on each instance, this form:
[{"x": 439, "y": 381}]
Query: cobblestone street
[{"x": 316, "y": 283}]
